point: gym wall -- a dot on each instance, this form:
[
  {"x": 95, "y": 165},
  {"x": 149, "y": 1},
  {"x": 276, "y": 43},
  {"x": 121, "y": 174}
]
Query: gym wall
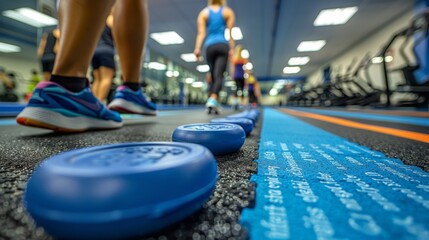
[{"x": 370, "y": 44}]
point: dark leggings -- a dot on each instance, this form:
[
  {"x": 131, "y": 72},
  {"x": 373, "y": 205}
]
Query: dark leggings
[{"x": 217, "y": 58}]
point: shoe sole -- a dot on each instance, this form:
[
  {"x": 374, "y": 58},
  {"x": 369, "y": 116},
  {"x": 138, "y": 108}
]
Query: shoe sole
[
  {"x": 124, "y": 106},
  {"x": 44, "y": 118},
  {"x": 213, "y": 109}
]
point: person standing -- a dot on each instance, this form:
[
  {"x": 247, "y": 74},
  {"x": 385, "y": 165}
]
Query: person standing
[
  {"x": 66, "y": 103},
  {"x": 212, "y": 22},
  {"x": 103, "y": 62},
  {"x": 253, "y": 89},
  {"x": 47, "y": 52},
  {"x": 237, "y": 73}
]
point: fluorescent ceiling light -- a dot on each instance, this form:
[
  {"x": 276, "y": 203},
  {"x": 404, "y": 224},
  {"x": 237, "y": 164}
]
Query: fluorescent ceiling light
[
  {"x": 197, "y": 84},
  {"x": 236, "y": 34},
  {"x": 167, "y": 38},
  {"x": 229, "y": 83},
  {"x": 290, "y": 70},
  {"x": 203, "y": 68},
  {"x": 31, "y": 17},
  {"x": 335, "y": 16},
  {"x": 274, "y": 92},
  {"x": 377, "y": 60},
  {"x": 189, "y": 80},
  {"x": 311, "y": 46},
  {"x": 280, "y": 84},
  {"x": 172, "y": 73},
  {"x": 298, "y": 61},
  {"x": 188, "y": 57},
  {"x": 245, "y": 53},
  {"x": 9, "y": 48},
  {"x": 157, "y": 66},
  {"x": 388, "y": 58},
  {"x": 248, "y": 66}
]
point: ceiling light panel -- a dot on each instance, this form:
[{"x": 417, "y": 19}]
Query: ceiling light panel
[
  {"x": 167, "y": 38},
  {"x": 203, "y": 68},
  {"x": 311, "y": 46},
  {"x": 31, "y": 17},
  {"x": 335, "y": 16},
  {"x": 157, "y": 66},
  {"x": 295, "y": 61},
  {"x": 291, "y": 70},
  {"x": 236, "y": 34},
  {"x": 188, "y": 57},
  {"x": 245, "y": 53},
  {"x": 9, "y": 48}
]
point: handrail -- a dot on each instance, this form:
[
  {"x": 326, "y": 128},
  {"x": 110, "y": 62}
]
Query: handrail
[{"x": 386, "y": 48}]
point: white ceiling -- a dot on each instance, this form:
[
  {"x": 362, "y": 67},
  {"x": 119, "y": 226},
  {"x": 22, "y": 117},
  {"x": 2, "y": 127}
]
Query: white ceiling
[{"x": 272, "y": 29}]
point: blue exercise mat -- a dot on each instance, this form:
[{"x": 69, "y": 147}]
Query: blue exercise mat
[{"x": 311, "y": 184}]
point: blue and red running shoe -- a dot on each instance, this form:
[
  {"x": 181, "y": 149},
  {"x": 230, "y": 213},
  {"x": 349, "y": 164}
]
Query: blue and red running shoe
[
  {"x": 129, "y": 101},
  {"x": 53, "y": 107}
]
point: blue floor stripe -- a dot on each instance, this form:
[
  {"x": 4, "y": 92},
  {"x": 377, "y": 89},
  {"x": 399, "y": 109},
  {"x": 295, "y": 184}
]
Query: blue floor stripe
[
  {"x": 377, "y": 117},
  {"x": 312, "y": 184},
  {"x": 6, "y": 122}
]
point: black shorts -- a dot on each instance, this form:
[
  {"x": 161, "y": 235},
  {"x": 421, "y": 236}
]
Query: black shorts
[
  {"x": 47, "y": 65},
  {"x": 252, "y": 97},
  {"x": 103, "y": 59},
  {"x": 239, "y": 82}
]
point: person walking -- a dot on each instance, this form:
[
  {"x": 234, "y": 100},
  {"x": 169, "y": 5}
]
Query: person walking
[
  {"x": 103, "y": 62},
  {"x": 212, "y": 22},
  {"x": 66, "y": 103},
  {"x": 47, "y": 51}
]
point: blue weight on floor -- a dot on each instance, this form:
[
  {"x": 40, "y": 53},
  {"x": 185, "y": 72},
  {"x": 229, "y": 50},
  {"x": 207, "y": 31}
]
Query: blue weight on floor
[
  {"x": 245, "y": 123},
  {"x": 244, "y": 114},
  {"x": 121, "y": 190},
  {"x": 253, "y": 113},
  {"x": 220, "y": 138}
]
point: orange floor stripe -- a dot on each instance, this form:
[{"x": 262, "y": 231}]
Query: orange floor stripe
[
  {"x": 384, "y": 130},
  {"x": 394, "y": 112}
]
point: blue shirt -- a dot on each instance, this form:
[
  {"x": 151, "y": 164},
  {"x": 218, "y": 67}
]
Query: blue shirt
[{"x": 216, "y": 26}]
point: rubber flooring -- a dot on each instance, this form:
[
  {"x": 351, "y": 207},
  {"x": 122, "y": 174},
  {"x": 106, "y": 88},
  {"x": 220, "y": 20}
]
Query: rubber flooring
[{"x": 23, "y": 148}]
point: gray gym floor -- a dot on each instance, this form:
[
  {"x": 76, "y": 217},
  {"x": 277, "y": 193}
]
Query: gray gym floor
[{"x": 23, "y": 148}]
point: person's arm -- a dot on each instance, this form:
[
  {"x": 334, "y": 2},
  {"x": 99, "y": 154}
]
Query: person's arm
[
  {"x": 230, "y": 22},
  {"x": 57, "y": 42},
  {"x": 257, "y": 89},
  {"x": 42, "y": 45},
  {"x": 202, "y": 31},
  {"x": 231, "y": 68},
  {"x": 7, "y": 81}
]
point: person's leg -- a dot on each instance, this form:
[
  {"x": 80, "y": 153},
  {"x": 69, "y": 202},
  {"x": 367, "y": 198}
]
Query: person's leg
[
  {"x": 211, "y": 57},
  {"x": 47, "y": 66},
  {"x": 46, "y": 76},
  {"x": 106, "y": 77},
  {"x": 219, "y": 70},
  {"x": 130, "y": 32},
  {"x": 95, "y": 82},
  {"x": 81, "y": 24}
]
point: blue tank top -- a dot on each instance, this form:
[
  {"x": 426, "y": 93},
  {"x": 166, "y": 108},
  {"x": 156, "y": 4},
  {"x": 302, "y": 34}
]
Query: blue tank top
[{"x": 216, "y": 26}]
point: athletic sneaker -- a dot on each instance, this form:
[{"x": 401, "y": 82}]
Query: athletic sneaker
[
  {"x": 213, "y": 105},
  {"x": 129, "y": 101},
  {"x": 53, "y": 107}
]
